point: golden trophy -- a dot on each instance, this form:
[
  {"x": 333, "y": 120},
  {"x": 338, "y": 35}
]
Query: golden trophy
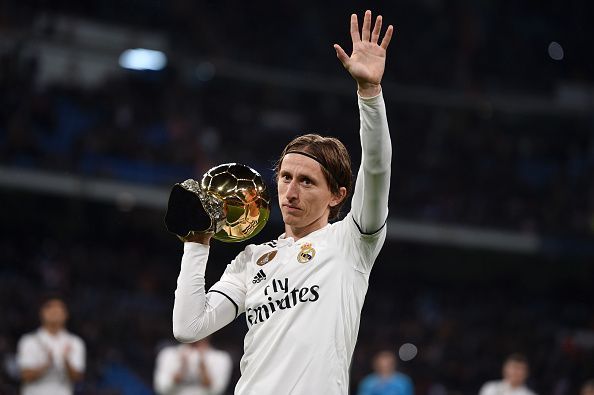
[{"x": 231, "y": 201}]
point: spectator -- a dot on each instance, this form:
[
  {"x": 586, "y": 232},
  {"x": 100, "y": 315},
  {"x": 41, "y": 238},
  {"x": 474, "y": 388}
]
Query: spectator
[
  {"x": 515, "y": 373},
  {"x": 192, "y": 369},
  {"x": 386, "y": 380},
  {"x": 51, "y": 359}
]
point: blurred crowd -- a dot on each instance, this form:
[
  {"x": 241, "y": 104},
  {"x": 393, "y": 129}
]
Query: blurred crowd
[
  {"x": 477, "y": 166},
  {"x": 527, "y": 173},
  {"x": 477, "y": 46},
  {"x": 464, "y": 312}
]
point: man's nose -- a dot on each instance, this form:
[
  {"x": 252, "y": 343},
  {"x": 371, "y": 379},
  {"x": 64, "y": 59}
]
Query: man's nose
[{"x": 292, "y": 190}]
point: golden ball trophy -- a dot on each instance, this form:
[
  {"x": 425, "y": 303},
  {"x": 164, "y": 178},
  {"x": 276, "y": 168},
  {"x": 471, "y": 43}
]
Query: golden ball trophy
[{"x": 231, "y": 201}]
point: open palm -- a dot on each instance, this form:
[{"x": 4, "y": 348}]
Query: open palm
[{"x": 368, "y": 59}]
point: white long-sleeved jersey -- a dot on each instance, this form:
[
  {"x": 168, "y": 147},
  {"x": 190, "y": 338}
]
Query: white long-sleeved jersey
[{"x": 302, "y": 298}]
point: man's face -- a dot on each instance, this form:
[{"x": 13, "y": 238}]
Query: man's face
[
  {"x": 515, "y": 373},
  {"x": 303, "y": 193},
  {"x": 385, "y": 363},
  {"x": 54, "y": 312}
]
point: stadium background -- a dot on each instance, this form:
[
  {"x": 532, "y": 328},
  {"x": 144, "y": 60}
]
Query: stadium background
[{"x": 491, "y": 231}]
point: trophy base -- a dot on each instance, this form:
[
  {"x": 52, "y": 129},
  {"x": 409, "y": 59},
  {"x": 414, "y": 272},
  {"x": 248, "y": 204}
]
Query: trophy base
[{"x": 185, "y": 213}]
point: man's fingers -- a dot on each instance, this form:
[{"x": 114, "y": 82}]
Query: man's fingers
[
  {"x": 387, "y": 37},
  {"x": 366, "y": 32},
  {"x": 341, "y": 55},
  {"x": 355, "y": 36},
  {"x": 376, "y": 30}
]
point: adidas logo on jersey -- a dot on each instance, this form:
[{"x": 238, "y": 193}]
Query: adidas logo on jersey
[{"x": 259, "y": 277}]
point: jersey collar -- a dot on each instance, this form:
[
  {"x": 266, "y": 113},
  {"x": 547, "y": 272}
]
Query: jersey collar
[
  {"x": 46, "y": 334},
  {"x": 284, "y": 240}
]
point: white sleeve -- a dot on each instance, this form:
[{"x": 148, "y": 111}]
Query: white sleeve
[
  {"x": 197, "y": 314},
  {"x": 165, "y": 369},
  {"x": 28, "y": 353},
  {"x": 77, "y": 358},
  {"x": 489, "y": 388},
  {"x": 220, "y": 373},
  {"x": 369, "y": 205},
  {"x": 233, "y": 283}
]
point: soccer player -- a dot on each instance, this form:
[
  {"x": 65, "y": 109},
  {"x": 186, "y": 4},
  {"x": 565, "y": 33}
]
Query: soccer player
[
  {"x": 192, "y": 369},
  {"x": 515, "y": 373},
  {"x": 51, "y": 359},
  {"x": 386, "y": 380},
  {"x": 303, "y": 292}
]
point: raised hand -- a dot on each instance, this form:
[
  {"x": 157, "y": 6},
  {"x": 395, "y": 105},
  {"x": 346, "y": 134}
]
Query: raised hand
[
  {"x": 73, "y": 373},
  {"x": 203, "y": 373},
  {"x": 49, "y": 357},
  {"x": 67, "y": 350},
  {"x": 368, "y": 59},
  {"x": 32, "y": 374},
  {"x": 180, "y": 375}
]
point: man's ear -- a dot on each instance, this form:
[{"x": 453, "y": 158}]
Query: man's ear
[{"x": 338, "y": 197}]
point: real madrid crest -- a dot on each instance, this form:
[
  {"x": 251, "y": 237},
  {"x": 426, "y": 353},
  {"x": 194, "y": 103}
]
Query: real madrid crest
[
  {"x": 306, "y": 254},
  {"x": 264, "y": 259}
]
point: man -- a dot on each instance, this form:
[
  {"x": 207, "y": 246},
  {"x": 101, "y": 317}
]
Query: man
[
  {"x": 51, "y": 359},
  {"x": 303, "y": 292},
  {"x": 192, "y": 369},
  {"x": 386, "y": 380},
  {"x": 515, "y": 373}
]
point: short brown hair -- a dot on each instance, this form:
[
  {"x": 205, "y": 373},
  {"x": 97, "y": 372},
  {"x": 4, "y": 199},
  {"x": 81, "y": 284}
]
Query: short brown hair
[
  {"x": 48, "y": 297},
  {"x": 518, "y": 358},
  {"x": 334, "y": 160}
]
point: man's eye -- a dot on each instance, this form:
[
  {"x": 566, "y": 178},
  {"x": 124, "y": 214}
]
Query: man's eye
[
  {"x": 306, "y": 181},
  {"x": 285, "y": 178}
]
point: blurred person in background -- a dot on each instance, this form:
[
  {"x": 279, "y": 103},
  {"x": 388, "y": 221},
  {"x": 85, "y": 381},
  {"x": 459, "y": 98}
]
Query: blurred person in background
[
  {"x": 51, "y": 359},
  {"x": 588, "y": 388},
  {"x": 386, "y": 380},
  {"x": 515, "y": 374},
  {"x": 192, "y": 369}
]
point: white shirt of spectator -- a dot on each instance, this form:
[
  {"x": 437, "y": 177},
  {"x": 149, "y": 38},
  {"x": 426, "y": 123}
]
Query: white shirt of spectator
[
  {"x": 302, "y": 301},
  {"x": 503, "y": 388},
  {"x": 169, "y": 362},
  {"x": 32, "y": 353}
]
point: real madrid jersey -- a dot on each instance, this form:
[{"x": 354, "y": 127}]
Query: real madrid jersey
[
  {"x": 302, "y": 298},
  {"x": 302, "y": 302}
]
